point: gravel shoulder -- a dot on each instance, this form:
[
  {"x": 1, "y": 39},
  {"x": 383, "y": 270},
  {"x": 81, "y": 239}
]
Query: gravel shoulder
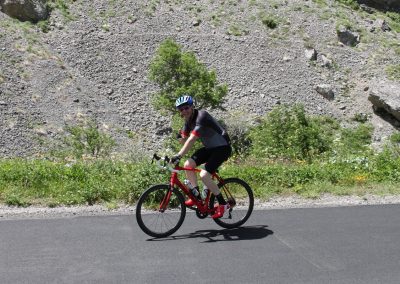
[{"x": 12, "y": 213}]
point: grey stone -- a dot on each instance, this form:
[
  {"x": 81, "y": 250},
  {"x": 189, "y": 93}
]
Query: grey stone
[
  {"x": 25, "y": 10},
  {"x": 386, "y": 96},
  {"x": 326, "y": 91},
  {"x": 348, "y": 37},
  {"x": 311, "y": 54}
]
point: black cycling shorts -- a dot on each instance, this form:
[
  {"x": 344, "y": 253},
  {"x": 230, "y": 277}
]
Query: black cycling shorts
[{"x": 212, "y": 157}]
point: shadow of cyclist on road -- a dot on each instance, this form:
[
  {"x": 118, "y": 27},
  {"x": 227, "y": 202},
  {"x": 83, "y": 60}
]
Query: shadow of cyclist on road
[{"x": 236, "y": 234}]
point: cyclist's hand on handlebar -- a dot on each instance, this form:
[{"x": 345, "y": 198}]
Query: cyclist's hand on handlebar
[{"x": 175, "y": 159}]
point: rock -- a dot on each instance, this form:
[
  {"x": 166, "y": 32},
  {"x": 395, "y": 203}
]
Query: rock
[
  {"x": 326, "y": 91},
  {"x": 386, "y": 96},
  {"x": 196, "y": 22},
  {"x": 41, "y": 132},
  {"x": 382, "y": 4},
  {"x": 311, "y": 54},
  {"x": 286, "y": 58},
  {"x": 385, "y": 26},
  {"x": 25, "y": 10},
  {"x": 367, "y": 9},
  {"x": 326, "y": 62},
  {"x": 348, "y": 37}
]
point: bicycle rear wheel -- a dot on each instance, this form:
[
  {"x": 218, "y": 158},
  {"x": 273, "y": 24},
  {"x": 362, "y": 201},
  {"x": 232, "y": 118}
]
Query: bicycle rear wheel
[
  {"x": 155, "y": 216},
  {"x": 241, "y": 199}
]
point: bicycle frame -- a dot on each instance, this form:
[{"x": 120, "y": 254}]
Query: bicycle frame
[{"x": 202, "y": 205}]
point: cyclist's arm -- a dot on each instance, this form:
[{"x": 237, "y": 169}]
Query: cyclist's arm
[
  {"x": 182, "y": 136},
  {"x": 188, "y": 145},
  {"x": 182, "y": 140}
]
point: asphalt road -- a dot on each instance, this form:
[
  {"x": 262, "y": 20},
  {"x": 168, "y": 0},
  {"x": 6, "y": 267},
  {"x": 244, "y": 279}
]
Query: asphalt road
[{"x": 319, "y": 245}]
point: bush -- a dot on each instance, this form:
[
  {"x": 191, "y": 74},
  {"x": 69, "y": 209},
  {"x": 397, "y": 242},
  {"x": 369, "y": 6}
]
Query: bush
[
  {"x": 177, "y": 73},
  {"x": 288, "y": 133},
  {"x": 269, "y": 20},
  {"x": 394, "y": 20},
  {"x": 238, "y": 129},
  {"x": 351, "y": 3},
  {"x": 355, "y": 141},
  {"x": 86, "y": 138}
]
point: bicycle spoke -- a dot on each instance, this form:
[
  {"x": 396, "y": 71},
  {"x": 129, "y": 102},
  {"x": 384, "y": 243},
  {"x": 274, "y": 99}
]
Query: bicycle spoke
[{"x": 240, "y": 197}]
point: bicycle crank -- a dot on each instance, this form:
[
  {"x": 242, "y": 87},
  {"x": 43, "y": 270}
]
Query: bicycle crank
[
  {"x": 231, "y": 202},
  {"x": 200, "y": 214}
]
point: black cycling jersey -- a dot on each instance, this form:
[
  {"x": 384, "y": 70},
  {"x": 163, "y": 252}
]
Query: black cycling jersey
[{"x": 207, "y": 128}]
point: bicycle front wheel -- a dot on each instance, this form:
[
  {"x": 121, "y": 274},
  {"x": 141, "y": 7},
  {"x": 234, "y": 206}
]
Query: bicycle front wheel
[
  {"x": 159, "y": 211},
  {"x": 241, "y": 200}
]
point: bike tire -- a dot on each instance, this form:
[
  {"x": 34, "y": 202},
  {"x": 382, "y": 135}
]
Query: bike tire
[
  {"x": 158, "y": 223},
  {"x": 244, "y": 197}
]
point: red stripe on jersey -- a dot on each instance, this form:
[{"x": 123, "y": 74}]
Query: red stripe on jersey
[
  {"x": 196, "y": 133},
  {"x": 184, "y": 134}
]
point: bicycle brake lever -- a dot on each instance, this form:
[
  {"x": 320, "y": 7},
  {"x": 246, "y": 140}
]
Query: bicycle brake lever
[
  {"x": 166, "y": 160},
  {"x": 155, "y": 157}
]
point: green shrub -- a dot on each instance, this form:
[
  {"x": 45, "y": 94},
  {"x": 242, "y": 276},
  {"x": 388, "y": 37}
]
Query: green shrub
[
  {"x": 62, "y": 6},
  {"x": 287, "y": 132},
  {"x": 387, "y": 166},
  {"x": 350, "y": 3},
  {"x": 393, "y": 72},
  {"x": 44, "y": 26},
  {"x": 354, "y": 141},
  {"x": 237, "y": 30},
  {"x": 238, "y": 130},
  {"x": 394, "y": 20},
  {"x": 86, "y": 138},
  {"x": 321, "y": 3},
  {"x": 361, "y": 117},
  {"x": 177, "y": 73},
  {"x": 269, "y": 20}
]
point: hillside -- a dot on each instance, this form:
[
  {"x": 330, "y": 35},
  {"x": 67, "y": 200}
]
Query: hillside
[{"x": 92, "y": 62}]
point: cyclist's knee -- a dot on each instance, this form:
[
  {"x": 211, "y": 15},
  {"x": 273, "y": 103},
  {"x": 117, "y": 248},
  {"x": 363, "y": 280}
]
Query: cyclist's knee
[
  {"x": 204, "y": 174},
  {"x": 190, "y": 163}
]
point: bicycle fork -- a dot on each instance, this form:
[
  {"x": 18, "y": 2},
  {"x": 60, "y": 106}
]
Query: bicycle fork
[{"x": 165, "y": 200}]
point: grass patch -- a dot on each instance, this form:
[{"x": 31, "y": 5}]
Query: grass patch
[
  {"x": 52, "y": 183},
  {"x": 55, "y": 183},
  {"x": 269, "y": 20},
  {"x": 394, "y": 20},
  {"x": 353, "y": 4},
  {"x": 393, "y": 72}
]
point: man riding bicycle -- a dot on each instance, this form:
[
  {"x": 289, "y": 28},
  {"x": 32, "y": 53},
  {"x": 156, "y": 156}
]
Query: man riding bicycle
[{"x": 216, "y": 150}]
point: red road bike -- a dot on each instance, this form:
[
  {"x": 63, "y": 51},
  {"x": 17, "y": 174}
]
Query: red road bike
[{"x": 161, "y": 209}]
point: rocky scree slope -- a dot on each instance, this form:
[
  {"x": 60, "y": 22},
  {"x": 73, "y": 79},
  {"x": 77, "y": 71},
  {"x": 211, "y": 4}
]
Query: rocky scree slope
[{"x": 92, "y": 63}]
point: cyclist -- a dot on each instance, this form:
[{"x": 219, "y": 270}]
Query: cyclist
[{"x": 199, "y": 124}]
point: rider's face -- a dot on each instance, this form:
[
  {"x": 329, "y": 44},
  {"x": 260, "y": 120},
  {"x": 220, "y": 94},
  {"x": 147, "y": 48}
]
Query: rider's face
[{"x": 186, "y": 111}]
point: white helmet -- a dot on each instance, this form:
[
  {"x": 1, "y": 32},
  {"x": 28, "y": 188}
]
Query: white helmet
[{"x": 184, "y": 100}]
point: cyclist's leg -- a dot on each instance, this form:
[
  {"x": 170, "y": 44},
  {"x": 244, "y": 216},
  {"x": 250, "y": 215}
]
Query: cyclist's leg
[
  {"x": 191, "y": 176},
  {"x": 215, "y": 160},
  {"x": 199, "y": 157}
]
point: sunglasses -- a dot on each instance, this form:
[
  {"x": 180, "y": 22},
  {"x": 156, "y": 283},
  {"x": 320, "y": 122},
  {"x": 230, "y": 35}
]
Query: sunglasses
[{"x": 184, "y": 108}]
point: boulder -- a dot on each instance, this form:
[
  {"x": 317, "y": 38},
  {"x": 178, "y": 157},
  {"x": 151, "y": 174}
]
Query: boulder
[
  {"x": 310, "y": 54},
  {"x": 326, "y": 91},
  {"x": 348, "y": 37},
  {"x": 25, "y": 10},
  {"x": 386, "y": 96},
  {"x": 393, "y": 5}
]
